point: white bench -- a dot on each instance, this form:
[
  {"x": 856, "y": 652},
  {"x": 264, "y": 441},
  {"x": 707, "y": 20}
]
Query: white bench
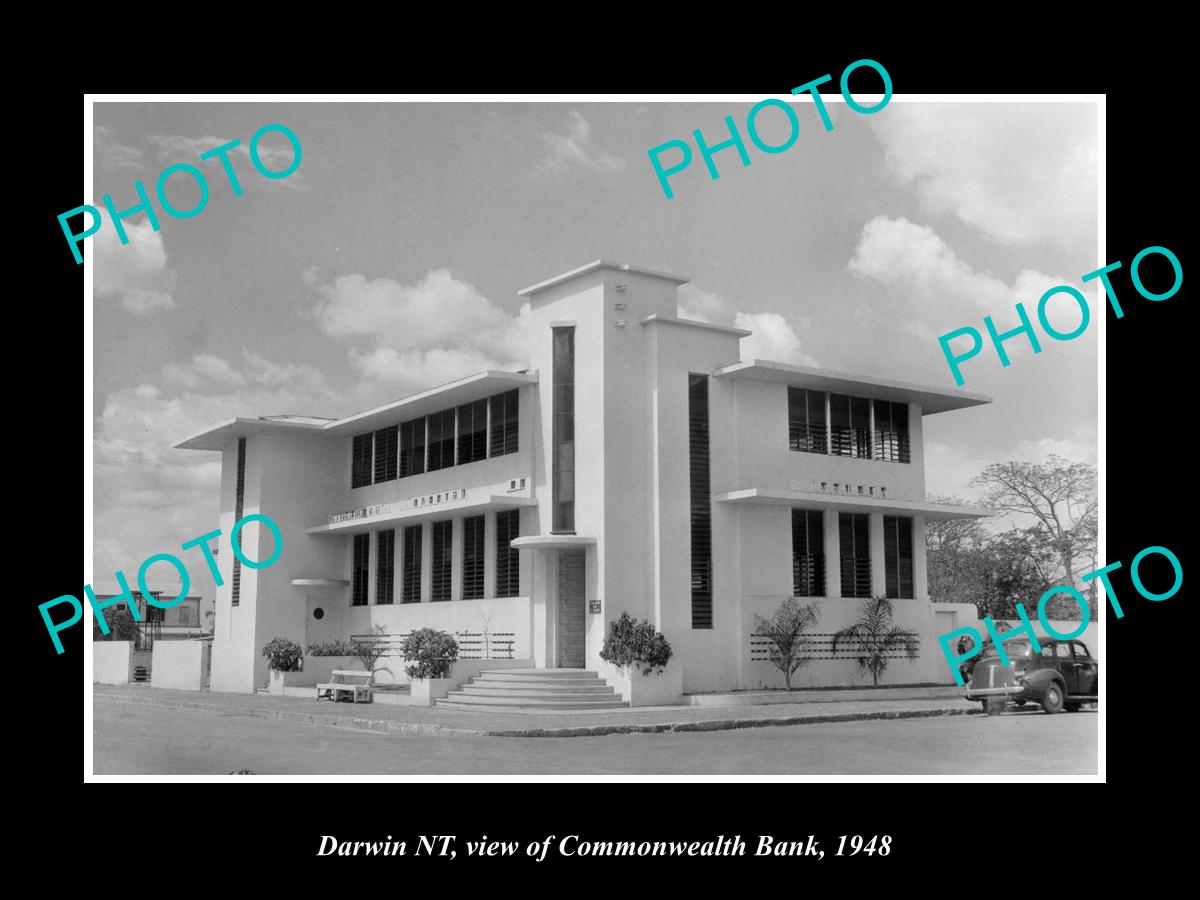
[{"x": 355, "y": 682}]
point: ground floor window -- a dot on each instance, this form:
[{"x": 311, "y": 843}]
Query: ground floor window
[
  {"x": 808, "y": 553},
  {"x": 855, "y": 551},
  {"x": 473, "y": 558},
  {"x": 385, "y": 574},
  {"x": 508, "y": 558},
  {"x": 898, "y": 556},
  {"x": 361, "y": 571},
  {"x": 411, "y": 579},
  {"x": 443, "y": 560}
]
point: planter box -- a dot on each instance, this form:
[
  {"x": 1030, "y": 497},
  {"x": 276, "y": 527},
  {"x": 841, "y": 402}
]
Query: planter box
[
  {"x": 665, "y": 689},
  {"x": 423, "y": 691}
]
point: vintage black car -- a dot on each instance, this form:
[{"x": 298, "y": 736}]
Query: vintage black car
[{"x": 1062, "y": 675}]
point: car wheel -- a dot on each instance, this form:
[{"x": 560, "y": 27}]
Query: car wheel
[
  {"x": 1052, "y": 700},
  {"x": 994, "y": 706}
]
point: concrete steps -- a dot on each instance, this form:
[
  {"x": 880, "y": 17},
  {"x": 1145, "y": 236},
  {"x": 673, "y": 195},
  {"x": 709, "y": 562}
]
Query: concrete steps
[{"x": 534, "y": 689}]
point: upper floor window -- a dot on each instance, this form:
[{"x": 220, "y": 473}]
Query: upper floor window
[
  {"x": 891, "y": 431},
  {"x": 504, "y": 423},
  {"x": 386, "y": 440},
  {"x": 806, "y": 420},
  {"x": 412, "y": 448},
  {"x": 360, "y": 460},
  {"x": 850, "y": 426},
  {"x": 563, "y": 432},
  {"x": 472, "y": 431},
  {"x": 441, "y": 440}
]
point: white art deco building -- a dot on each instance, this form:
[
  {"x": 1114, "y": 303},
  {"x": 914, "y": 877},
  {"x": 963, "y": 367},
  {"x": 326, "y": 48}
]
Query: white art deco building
[{"x": 639, "y": 465}]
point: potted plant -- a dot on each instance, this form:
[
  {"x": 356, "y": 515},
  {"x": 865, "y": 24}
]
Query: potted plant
[
  {"x": 429, "y": 654},
  {"x": 639, "y": 659},
  {"x": 282, "y": 656}
]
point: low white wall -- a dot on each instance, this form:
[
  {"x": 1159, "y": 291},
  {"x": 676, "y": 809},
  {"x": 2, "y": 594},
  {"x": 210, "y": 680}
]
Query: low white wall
[
  {"x": 112, "y": 662},
  {"x": 836, "y": 613},
  {"x": 178, "y": 665},
  {"x": 663, "y": 689}
]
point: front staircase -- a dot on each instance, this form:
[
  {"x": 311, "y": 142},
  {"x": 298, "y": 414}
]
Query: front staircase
[{"x": 534, "y": 689}]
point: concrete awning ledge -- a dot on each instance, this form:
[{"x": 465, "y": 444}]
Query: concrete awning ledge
[
  {"x": 853, "y": 503},
  {"x": 552, "y": 541}
]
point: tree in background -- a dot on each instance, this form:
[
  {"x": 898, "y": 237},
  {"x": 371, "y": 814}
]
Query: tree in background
[{"x": 1060, "y": 497}]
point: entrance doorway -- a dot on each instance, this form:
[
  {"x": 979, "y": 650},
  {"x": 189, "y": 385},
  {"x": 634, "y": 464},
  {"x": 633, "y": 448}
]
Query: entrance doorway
[{"x": 570, "y": 643}]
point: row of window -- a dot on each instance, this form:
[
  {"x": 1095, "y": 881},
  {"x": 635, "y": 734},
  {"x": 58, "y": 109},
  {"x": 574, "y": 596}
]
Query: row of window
[
  {"x": 455, "y": 436},
  {"x": 854, "y": 552},
  {"x": 820, "y": 422},
  {"x": 508, "y": 567}
]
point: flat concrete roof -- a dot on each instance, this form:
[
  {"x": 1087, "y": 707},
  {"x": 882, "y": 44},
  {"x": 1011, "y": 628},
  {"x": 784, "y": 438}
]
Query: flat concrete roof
[
  {"x": 932, "y": 399},
  {"x": 593, "y": 266},
  {"x": 473, "y": 387},
  {"x": 853, "y": 503}
]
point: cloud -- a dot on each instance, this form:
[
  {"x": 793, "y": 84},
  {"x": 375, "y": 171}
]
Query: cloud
[
  {"x": 1020, "y": 173},
  {"x": 937, "y": 289},
  {"x": 572, "y": 148},
  {"x": 774, "y": 336},
  {"x": 150, "y": 498},
  {"x": 418, "y": 335},
  {"x": 109, "y": 152},
  {"x": 136, "y": 273},
  {"x": 274, "y": 152}
]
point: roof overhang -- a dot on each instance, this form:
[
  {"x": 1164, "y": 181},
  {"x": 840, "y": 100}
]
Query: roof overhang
[
  {"x": 931, "y": 399},
  {"x": 465, "y": 390},
  {"x": 552, "y": 542},
  {"x": 414, "y": 515},
  {"x": 594, "y": 266},
  {"x": 852, "y": 503}
]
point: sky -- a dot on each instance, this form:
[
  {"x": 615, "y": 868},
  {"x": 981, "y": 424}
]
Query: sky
[{"x": 389, "y": 262}]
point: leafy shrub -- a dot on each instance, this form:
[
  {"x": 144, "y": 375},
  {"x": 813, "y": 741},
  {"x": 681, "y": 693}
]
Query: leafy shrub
[
  {"x": 330, "y": 648},
  {"x": 429, "y": 653},
  {"x": 283, "y": 655},
  {"x": 121, "y": 627},
  {"x": 632, "y": 641}
]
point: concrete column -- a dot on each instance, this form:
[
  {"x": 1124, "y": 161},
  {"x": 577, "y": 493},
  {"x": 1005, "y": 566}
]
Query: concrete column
[
  {"x": 920, "y": 569},
  {"x": 833, "y": 560},
  {"x": 456, "y": 558},
  {"x": 878, "y": 571},
  {"x": 489, "y": 553},
  {"x": 426, "y": 562}
]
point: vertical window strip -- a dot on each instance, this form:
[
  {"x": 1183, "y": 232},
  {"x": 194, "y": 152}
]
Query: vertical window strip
[
  {"x": 701, "y": 502},
  {"x": 385, "y": 571},
  {"x": 472, "y": 432},
  {"x": 563, "y": 431},
  {"x": 239, "y": 499},
  {"x": 808, "y": 553},
  {"x": 898, "y": 556},
  {"x": 441, "y": 440},
  {"x": 891, "y": 431},
  {"x": 473, "y": 558},
  {"x": 443, "y": 556},
  {"x": 361, "y": 571},
  {"x": 411, "y": 579},
  {"x": 508, "y": 558},
  {"x": 850, "y": 426}
]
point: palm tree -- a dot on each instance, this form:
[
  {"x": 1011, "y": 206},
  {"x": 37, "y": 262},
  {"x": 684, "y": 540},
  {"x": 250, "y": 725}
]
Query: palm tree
[
  {"x": 787, "y": 647},
  {"x": 876, "y": 636}
]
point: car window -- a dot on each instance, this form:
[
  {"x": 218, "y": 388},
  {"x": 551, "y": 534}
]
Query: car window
[
  {"x": 1063, "y": 651},
  {"x": 1048, "y": 650},
  {"x": 1081, "y": 650}
]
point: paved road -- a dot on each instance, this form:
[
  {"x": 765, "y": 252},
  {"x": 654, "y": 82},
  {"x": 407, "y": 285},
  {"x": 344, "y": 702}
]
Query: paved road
[{"x": 151, "y": 740}]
